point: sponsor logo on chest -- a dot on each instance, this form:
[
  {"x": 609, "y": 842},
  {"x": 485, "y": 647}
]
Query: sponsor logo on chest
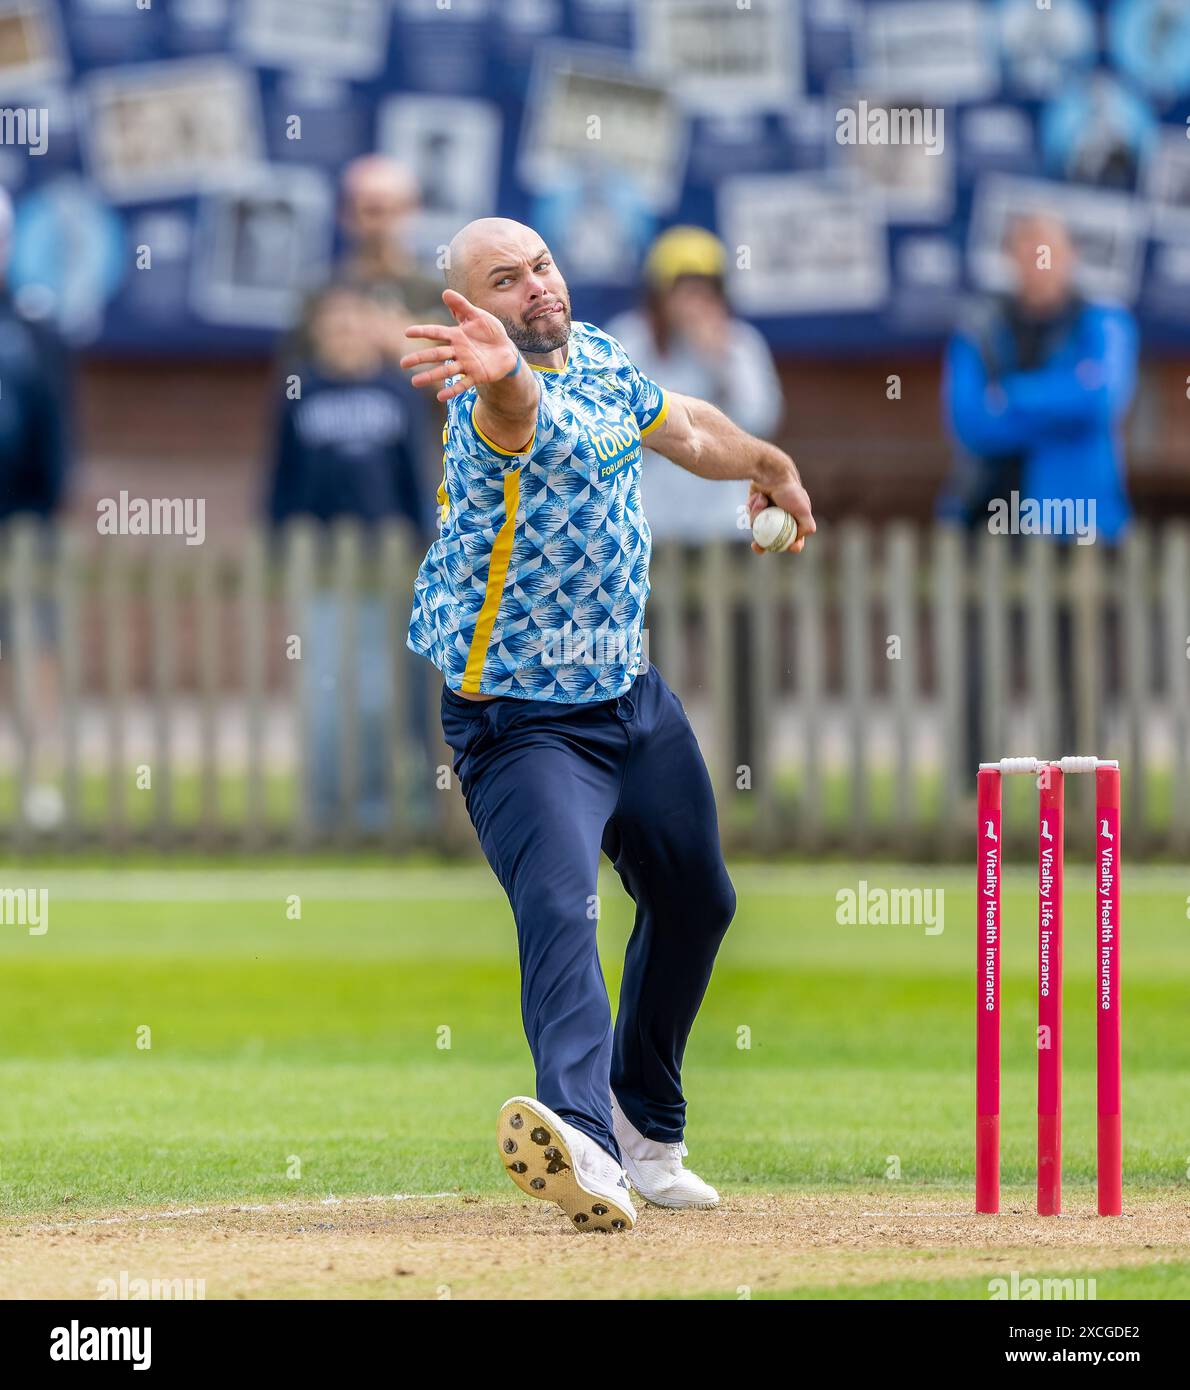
[{"x": 615, "y": 445}]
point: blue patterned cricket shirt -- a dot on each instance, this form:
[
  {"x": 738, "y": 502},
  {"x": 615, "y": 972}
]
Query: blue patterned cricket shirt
[{"x": 536, "y": 585}]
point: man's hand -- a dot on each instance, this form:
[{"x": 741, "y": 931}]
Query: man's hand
[
  {"x": 700, "y": 438},
  {"x": 788, "y": 493},
  {"x": 476, "y": 349}
]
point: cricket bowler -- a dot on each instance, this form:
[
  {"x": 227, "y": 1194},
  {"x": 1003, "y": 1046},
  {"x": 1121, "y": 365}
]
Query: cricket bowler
[{"x": 566, "y": 743}]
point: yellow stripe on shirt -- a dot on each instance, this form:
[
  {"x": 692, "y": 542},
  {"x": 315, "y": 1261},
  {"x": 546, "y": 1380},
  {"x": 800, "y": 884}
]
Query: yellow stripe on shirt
[
  {"x": 477, "y": 653},
  {"x": 443, "y": 494},
  {"x": 508, "y": 453},
  {"x": 659, "y": 418}
]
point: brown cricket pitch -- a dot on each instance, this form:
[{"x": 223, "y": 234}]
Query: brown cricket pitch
[{"x": 461, "y": 1246}]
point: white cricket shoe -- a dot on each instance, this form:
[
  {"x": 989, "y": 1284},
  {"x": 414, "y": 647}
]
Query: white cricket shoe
[
  {"x": 656, "y": 1170},
  {"x": 550, "y": 1159}
]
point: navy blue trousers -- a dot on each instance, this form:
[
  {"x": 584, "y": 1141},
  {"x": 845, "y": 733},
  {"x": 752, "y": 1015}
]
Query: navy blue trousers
[{"x": 548, "y": 786}]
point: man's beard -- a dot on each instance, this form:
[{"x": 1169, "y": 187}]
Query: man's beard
[{"x": 529, "y": 338}]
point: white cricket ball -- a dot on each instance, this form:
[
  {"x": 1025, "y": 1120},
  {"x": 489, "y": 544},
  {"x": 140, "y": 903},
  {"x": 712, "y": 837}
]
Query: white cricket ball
[{"x": 774, "y": 529}]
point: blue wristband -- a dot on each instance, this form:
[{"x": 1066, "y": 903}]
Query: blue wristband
[{"x": 519, "y": 360}]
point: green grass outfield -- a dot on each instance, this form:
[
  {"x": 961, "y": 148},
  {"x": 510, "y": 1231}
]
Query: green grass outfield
[
  {"x": 301, "y": 1058},
  {"x": 1157, "y": 1281}
]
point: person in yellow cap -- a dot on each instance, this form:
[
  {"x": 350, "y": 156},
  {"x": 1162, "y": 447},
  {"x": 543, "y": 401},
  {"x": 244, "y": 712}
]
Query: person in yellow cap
[{"x": 685, "y": 336}]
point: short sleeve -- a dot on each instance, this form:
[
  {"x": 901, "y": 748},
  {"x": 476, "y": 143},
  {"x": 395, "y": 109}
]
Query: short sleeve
[
  {"x": 648, "y": 402},
  {"x": 465, "y": 436}
]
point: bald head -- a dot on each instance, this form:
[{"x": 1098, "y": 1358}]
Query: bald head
[
  {"x": 506, "y": 268},
  {"x": 1044, "y": 260},
  {"x": 377, "y": 175},
  {"x": 379, "y": 198},
  {"x": 479, "y": 241}
]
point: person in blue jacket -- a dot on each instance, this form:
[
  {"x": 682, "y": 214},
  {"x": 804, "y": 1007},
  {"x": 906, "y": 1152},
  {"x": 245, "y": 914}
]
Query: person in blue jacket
[
  {"x": 36, "y": 379},
  {"x": 1036, "y": 385}
]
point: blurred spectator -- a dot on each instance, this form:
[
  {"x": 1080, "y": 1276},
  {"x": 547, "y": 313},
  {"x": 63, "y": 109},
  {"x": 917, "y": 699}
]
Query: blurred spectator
[
  {"x": 348, "y": 444},
  {"x": 1035, "y": 390},
  {"x": 1036, "y": 387},
  {"x": 349, "y": 447},
  {"x": 354, "y": 446},
  {"x": 685, "y": 338},
  {"x": 34, "y": 459},
  {"x": 379, "y": 199},
  {"x": 33, "y": 403}
]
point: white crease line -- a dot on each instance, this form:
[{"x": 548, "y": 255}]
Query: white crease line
[
  {"x": 968, "y": 1215},
  {"x": 330, "y": 1201},
  {"x": 925, "y": 1215}
]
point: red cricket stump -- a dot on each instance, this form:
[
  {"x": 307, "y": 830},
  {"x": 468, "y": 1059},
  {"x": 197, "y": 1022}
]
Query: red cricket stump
[
  {"x": 987, "y": 1031},
  {"x": 1107, "y": 977},
  {"x": 1050, "y": 847},
  {"x": 1051, "y": 830}
]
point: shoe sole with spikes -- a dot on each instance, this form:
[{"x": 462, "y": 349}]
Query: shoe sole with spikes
[{"x": 537, "y": 1157}]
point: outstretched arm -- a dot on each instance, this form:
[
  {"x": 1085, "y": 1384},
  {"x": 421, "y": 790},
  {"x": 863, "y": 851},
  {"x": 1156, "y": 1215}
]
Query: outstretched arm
[
  {"x": 477, "y": 350},
  {"x": 700, "y": 438}
]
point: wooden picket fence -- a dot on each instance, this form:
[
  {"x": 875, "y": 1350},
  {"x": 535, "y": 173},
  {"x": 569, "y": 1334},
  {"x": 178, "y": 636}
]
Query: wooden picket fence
[{"x": 159, "y": 687}]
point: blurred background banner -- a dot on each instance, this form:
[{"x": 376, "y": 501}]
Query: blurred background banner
[
  {"x": 175, "y": 173},
  {"x": 215, "y": 130}
]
